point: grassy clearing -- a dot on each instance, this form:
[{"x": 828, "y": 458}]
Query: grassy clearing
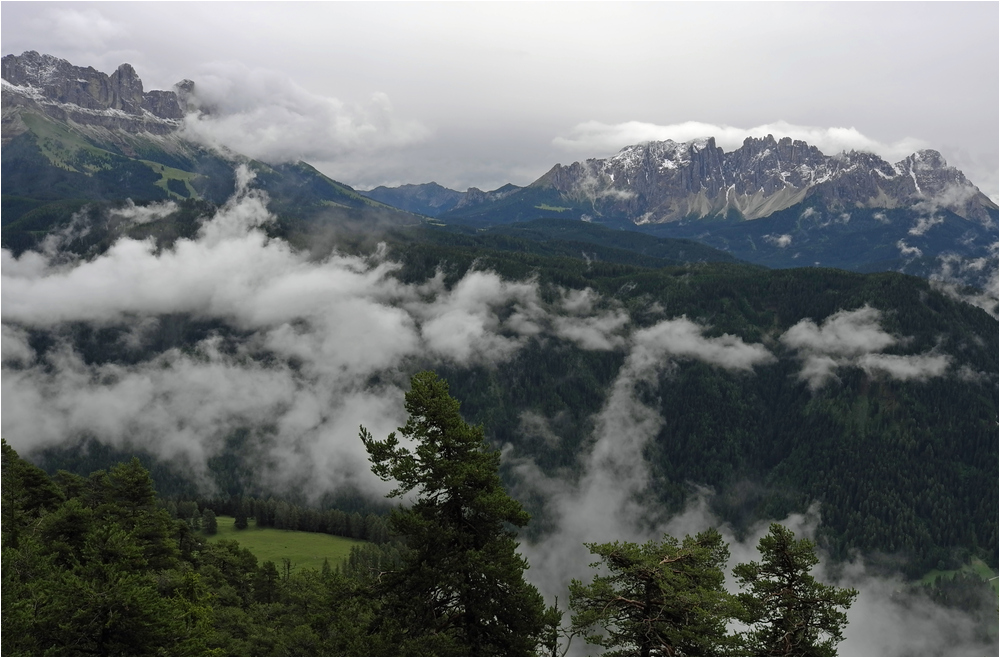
[
  {"x": 306, "y": 550},
  {"x": 170, "y": 173},
  {"x": 975, "y": 566}
]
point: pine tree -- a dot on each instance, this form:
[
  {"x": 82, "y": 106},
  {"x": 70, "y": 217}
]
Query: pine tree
[
  {"x": 460, "y": 589},
  {"x": 788, "y": 612},
  {"x": 241, "y": 522},
  {"x": 209, "y": 524},
  {"x": 662, "y": 598}
]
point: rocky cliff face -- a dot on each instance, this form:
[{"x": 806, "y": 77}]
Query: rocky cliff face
[
  {"x": 84, "y": 96},
  {"x": 665, "y": 181}
]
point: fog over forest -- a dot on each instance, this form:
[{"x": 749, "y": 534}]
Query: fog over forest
[{"x": 313, "y": 348}]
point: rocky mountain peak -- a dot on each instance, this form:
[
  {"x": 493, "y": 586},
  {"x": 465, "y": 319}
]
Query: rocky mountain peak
[
  {"x": 126, "y": 90},
  {"x": 57, "y": 87},
  {"x": 655, "y": 182}
]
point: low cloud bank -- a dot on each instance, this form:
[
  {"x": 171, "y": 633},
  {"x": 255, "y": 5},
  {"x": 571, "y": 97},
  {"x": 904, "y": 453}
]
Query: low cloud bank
[
  {"x": 593, "y": 137},
  {"x": 265, "y": 115},
  {"x": 312, "y": 337},
  {"x": 855, "y": 338}
]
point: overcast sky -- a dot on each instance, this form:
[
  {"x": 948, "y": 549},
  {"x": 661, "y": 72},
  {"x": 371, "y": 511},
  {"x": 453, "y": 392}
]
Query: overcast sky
[{"x": 481, "y": 94}]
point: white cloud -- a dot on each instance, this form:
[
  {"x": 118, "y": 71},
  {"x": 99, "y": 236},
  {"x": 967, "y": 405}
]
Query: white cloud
[
  {"x": 536, "y": 426},
  {"x": 780, "y": 241},
  {"x": 144, "y": 214},
  {"x": 265, "y": 115},
  {"x": 682, "y": 338},
  {"x": 845, "y": 333},
  {"x": 918, "y": 367},
  {"x": 854, "y": 339},
  {"x": 924, "y": 224},
  {"x": 955, "y": 274},
  {"x": 607, "y": 501},
  {"x": 14, "y": 346},
  {"x": 595, "y": 137},
  {"x": 906, "y": 250},
  {"x": 593, "y": 333},
  {"x": 890, "y": 619}
]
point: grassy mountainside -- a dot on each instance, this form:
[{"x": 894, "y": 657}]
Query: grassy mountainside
[{"x": 54, "y": 162}]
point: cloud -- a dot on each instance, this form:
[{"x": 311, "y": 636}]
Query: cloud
[
  {"x": 594, "y": 137},
  {"x": 15, "y": 348},
  {"x": 780, "y": 241},
  {"x": 590, "y": 187},
  {"x": 536, "y": 426},
  {"x": 918, "y": 367},
  {"x": 845, "y": 333},
  {"x": 610, "y": 497},
  {"x": 265, "y": 115},
  {"x": 144, "y": 214},
  {"x": 953, "y": 196},
  {"x": 682, "y": 338},
  {"x": 465, "y": 324},
  {"x": 924, "y": 224},
  {"x": 853, "y": 339},
  {"x": 889, "y": 618},
  {"x": 593, "y": 333},
  {"x": 610, "y": 501},
  {"x": 955, "y": 275},
  {"x": 906, "y": 250},
  {"x": 297, "y": 346},
  {"x": 183, "y": 406}
]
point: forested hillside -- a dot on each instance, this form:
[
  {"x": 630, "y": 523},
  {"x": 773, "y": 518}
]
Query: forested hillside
[
  {"x": 97, "y": 566},
  {"x": 869, "y": 394}
]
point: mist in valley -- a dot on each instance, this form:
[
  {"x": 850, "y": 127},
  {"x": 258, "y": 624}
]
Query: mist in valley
[{"x": 301, "y": 348}]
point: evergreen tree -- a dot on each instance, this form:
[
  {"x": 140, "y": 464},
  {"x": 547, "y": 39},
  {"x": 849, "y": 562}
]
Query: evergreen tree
[
  {"x": 460, "y": 589},
  {"x": 209, "y": 524},
  {"x": 788, "y": 612},
  {"x": 241, "y": 521},
  {"x": 98, "y": 574},
  {"x": 662, "y": 598}
]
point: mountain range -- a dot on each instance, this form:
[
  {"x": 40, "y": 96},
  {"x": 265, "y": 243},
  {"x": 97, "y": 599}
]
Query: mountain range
[
  {"x": 780, "y": 203},
  {"x": 75, "y": 134},
  {"x": 662, "y": 182}
]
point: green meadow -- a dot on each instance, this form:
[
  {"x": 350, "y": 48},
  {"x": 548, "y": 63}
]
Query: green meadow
[
  {"x": 975, "y": 566},
  {"x": 306, "y": 550}
]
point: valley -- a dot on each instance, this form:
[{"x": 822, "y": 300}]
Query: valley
[{"x": 672, "y": 339}]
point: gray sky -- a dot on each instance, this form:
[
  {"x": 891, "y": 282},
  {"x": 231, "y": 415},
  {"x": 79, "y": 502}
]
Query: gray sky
[{"x": 481, "y": 94}]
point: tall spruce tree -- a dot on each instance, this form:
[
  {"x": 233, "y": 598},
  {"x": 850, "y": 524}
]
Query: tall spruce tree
[
  {"x": 460, "y": 589},
  {"x": 788, "y": 612}
]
